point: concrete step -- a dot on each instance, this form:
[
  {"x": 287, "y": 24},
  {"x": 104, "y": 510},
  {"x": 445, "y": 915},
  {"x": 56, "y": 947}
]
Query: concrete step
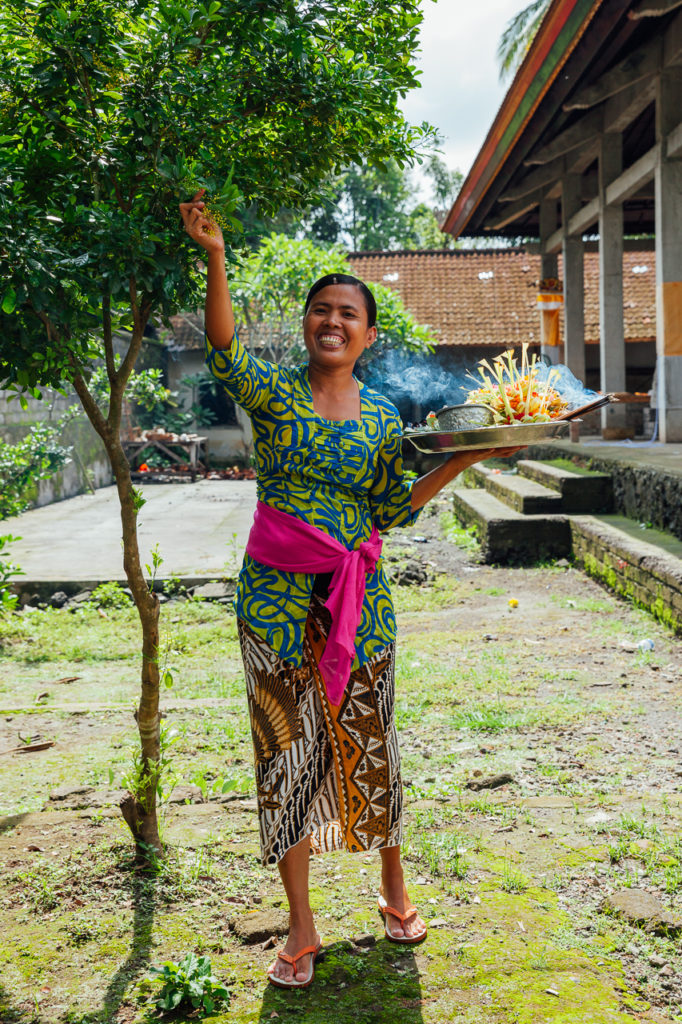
[
  {"x": 508, "y": 537},
  {"x": 580, "y": 492},
  {"x": 523, "y": 495}
]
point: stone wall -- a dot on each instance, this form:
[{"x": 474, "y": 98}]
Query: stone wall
[
  {"x": 637, "y": 570},
  {"x": 647, "y": 495},
  {"x": 89, "y": 465}
]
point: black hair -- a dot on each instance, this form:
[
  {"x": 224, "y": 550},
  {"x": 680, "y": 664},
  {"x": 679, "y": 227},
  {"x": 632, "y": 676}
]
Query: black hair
[{"x": 368, "y": 298}]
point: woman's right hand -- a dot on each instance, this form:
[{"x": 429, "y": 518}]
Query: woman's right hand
[{"x": 201, "y": 228}]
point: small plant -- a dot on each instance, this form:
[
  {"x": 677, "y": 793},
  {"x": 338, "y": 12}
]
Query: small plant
[
  {"x": 173, "y": 586},
  {"x": 109, "y": 595},
  {"x": 137, "y": 778},
  {"x": 191, "y": 983},
  {"x": 463, "y": 536},
  {"x": 513, "y": 880},
  {"x": 8, "y": 600},
  {"x": 156, "y": 563}
]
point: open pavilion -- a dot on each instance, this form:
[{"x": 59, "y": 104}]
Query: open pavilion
[{"x": 588, "y": 142}]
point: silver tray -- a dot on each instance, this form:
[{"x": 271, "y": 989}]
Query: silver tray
[{"x": 507, "y": 436}]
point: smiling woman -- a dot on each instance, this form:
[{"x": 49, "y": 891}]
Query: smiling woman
[{"x": 316, "y": 620}]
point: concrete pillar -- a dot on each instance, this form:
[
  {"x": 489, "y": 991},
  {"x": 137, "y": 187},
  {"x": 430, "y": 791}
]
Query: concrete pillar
[
  {"x": 574, "y": 281},
  {"x": 611, "y": 321},
  {"x": 668, "y": 181},
  {"x": 549, "y": 267}
]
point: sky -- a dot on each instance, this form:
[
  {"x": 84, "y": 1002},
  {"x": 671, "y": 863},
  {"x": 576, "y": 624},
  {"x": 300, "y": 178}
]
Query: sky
[{"x": 461, "y": 90}]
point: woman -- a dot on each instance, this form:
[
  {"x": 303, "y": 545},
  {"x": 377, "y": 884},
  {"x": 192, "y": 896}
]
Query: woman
[{"x": 315, "y": 616}]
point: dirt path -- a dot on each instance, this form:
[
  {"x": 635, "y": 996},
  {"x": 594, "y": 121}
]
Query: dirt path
[{"x": 513, "y": 879}]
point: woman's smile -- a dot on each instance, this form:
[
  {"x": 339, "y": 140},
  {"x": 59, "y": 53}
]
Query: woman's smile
[{"x": 330, "y": 341}]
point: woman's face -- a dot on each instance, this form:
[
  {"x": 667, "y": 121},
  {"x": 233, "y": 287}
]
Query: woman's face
[{"x": 335, "y": 327}]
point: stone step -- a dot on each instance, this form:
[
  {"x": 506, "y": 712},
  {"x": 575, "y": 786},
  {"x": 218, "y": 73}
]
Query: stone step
[
  {"x": 580, "y": 492},
  {"x": 508, "y": 537},
  {"x": 523, "y": 495}
]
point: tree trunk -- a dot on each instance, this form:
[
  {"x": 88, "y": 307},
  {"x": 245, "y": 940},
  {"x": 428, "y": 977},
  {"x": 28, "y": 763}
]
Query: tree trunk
[{"x": 139, "y": 807}]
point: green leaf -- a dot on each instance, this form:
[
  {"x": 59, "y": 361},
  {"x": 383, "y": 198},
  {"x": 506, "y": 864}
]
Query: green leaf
[
  {"x": 9, "y": 300},
  {"x": 168, "y": 679}
]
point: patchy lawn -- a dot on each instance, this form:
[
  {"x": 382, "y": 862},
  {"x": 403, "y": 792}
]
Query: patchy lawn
[{"x": 512, "y": 878}]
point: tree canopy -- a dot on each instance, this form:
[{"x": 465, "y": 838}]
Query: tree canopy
[{"x": 114, "y": 110}]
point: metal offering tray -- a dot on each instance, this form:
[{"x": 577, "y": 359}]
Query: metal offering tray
[{"x": 506, "y": 436}]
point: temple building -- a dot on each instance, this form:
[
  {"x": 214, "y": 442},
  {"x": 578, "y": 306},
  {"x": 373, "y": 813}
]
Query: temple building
[{"x": 587, "y": 148}]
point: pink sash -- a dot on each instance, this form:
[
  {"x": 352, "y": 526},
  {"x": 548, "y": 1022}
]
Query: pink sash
[{"x": 284, "y": 542}]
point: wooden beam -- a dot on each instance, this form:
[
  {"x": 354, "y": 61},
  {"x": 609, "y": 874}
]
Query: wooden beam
[
  {"x": 633, "y": 177},
  {"x": 516, "y": 210},
  {"x": 642, "y": 63},
  {"x": 584, "y": 218},
  {"x": 612, "y": 116},
  {"x": 622, "y": 109},
  {"x": 653, "y": 8},
  {"x": 535, "y": 180},
  {"x": 577, "y": 135},
  {"x": 673, "y": 144}
]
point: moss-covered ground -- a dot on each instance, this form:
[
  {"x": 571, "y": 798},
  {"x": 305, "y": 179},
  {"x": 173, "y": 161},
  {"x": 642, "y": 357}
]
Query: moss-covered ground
[{"x": 512, "y": 878}]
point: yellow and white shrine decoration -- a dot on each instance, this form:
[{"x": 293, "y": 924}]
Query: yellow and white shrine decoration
[{"x": 550, "y": 301}]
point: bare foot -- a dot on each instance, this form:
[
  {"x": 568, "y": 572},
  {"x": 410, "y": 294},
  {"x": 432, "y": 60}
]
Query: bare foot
[
  {"x": 300, "y": 936},
  {"x": 394, "y": 892}
]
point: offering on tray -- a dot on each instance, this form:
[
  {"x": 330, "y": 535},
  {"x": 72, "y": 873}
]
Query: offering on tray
[{"x": 516, "y": 395}]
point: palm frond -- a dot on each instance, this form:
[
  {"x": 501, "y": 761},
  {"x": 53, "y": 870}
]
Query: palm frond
[{"x": 518, "y": 35}]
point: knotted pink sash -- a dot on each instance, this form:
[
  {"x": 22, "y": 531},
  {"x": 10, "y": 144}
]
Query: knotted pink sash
[{"x": 284, "y": 542}]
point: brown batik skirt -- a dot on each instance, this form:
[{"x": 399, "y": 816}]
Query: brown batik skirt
[{"x": 329, "y": 774}]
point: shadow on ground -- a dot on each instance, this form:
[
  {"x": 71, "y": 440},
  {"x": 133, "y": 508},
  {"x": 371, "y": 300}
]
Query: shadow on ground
[{"x": 144, "y": 897}]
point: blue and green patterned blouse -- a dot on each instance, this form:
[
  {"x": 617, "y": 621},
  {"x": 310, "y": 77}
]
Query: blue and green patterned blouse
[{"x": 340, "y": 477}]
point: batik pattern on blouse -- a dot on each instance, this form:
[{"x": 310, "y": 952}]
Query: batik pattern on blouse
[{"x": 341, "y": 477}]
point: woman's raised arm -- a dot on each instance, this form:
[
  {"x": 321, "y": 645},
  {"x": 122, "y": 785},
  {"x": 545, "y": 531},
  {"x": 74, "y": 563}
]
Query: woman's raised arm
[{"x": 219, "y": 318}]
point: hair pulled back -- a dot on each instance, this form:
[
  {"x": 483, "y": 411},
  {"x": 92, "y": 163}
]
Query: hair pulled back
[{"x": 368, "y": 298}]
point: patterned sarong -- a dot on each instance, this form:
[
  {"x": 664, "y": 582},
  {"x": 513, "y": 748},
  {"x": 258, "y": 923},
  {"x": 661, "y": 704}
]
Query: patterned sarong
[{"x": 331, "y": 774}]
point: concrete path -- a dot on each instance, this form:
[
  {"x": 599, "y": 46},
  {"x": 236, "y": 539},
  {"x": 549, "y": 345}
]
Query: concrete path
[
  {"x": 666, "y": 457},
  {"x": 199, "y": 528}
]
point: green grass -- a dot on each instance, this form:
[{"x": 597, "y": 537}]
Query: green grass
[{"x": 463, "y": 536}]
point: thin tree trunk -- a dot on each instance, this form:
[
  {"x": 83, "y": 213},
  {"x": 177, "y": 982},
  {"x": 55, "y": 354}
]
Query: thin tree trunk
[{"x": 138, "y": 807}]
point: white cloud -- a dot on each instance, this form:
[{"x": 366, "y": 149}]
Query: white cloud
[{"x": 461, "y": 91}]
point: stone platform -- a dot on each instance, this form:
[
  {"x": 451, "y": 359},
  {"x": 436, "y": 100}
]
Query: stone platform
[{"x": 200, "y": 528}]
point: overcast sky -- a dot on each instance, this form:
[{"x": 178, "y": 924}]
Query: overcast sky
[{"x": 461, "y": 90}]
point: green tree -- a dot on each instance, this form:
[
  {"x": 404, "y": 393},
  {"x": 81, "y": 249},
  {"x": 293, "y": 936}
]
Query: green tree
[
  {"x": 269, "y": 290},
  {"x": 518, "y": 36},
  {"x": 372, "y": 208},
  {"x": 113, "y": 111}
]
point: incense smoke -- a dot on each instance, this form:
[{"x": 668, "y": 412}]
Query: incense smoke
[{"x": 418, "y": 383}]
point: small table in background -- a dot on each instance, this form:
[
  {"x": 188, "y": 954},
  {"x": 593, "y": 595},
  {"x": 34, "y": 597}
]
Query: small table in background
[{"x": 194, "y": 447}]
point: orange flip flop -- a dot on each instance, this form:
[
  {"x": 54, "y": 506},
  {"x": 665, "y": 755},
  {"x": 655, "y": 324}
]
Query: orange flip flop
[
  {"x": 406, "y": 940},
  {"x": 280, "y": 982}
]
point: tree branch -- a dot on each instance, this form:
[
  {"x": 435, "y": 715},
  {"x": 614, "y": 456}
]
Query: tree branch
[
  {"x": 92, "y": 410},
  {"x": 108, "y": 339}
]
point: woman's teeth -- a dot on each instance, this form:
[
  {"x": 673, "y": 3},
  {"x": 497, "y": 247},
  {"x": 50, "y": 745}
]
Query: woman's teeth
[{"x": 331, "y": 341}]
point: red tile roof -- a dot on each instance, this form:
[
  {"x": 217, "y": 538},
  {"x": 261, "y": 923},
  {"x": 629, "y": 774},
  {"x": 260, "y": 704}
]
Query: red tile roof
[
  {"x": 487, "y": 297},
  {"x": 483, "y": 297}
]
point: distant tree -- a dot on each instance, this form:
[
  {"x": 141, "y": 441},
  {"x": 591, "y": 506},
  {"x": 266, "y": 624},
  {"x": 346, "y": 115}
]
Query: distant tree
[
  {"x": 370, "y": 207},
  {"x": 112, "y": 112},
  {"x": 518, "y": 36},
  {"x": 445, "y": 185}
]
